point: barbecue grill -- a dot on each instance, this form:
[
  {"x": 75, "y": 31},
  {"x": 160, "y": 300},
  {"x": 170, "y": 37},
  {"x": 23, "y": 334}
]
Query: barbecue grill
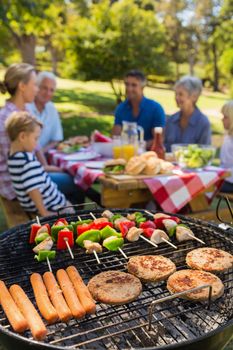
[{"x": 176, "y": 324}]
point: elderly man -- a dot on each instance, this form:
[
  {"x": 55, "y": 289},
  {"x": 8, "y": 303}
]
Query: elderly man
[
  {"x": 44, "y": 109},
  {"x": 138, "y": 108}
]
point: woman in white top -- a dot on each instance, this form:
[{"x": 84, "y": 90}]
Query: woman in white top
[{"x": 226, "y": 153}]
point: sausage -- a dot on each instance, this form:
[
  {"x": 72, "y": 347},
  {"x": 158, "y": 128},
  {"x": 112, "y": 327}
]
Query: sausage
[
  {"x": 44, "y": 304},
  {"x": 56, "y": 297},
  {"x": 28, "y": 310},
  {"x": 81, "y": 290},
  {"x": 15, "y": 317},
  {"x": 70, "y": 294}
]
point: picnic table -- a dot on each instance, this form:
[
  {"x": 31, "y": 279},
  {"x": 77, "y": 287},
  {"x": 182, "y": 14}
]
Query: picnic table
[{"x": 171, "y": 192}]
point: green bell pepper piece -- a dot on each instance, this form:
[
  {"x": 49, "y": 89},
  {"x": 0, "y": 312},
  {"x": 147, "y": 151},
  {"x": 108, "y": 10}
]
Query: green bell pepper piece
[
  {"x": 113, "y": 243},
  {"x": 114, "y": 217},
  {"x": 41, "y": 237},
  {"x": 56, "y": 229},
  {"x": 77, "y": 223},
  {"x": 108, "y": 231},
  {"x": 44, "y": 254},
  {"x": 90, "y": 235}
]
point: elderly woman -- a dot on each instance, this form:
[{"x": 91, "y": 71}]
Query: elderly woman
[
  {"x": 226, "y": 152},
  {"x": 189, "y": 124}
]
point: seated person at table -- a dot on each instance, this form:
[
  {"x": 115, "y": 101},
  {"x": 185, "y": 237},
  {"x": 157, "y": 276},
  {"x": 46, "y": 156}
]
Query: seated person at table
[
  {"x": 226, "y": 152},
  {"x": 189, "y": 124},
  {"x": 34, "y": 188},
  {"x": 138, "y": 108},
  {"x": 45, "y": 111}
]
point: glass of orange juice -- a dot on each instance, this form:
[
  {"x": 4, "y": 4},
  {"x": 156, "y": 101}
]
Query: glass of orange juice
[
  {"x": 128, "y": 151},
  {"x": 117, "y": 147}
]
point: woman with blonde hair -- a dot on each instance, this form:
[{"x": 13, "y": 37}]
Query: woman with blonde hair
[{"x": 226, "y": 152}]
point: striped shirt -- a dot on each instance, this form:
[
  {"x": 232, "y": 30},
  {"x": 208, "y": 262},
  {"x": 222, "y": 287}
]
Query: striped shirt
[{"x": 27, "y": 174}]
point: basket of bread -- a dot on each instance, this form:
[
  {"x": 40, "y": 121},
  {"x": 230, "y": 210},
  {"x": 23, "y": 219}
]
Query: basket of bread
[{"x": 147, "y": 164}]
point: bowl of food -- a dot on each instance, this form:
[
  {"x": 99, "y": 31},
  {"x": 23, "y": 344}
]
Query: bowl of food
[
  {"x": 193, "y": 156},
  {"x": 103, "y": 148}
]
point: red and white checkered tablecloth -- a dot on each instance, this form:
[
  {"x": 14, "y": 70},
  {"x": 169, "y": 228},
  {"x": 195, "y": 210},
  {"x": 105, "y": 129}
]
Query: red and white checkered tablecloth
[
  {"x": 83, "y": 176},
  {"x": 173, "y": 192}
]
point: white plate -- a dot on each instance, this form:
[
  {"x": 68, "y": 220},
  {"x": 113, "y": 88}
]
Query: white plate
[
  {"x": 95, "y": 164},
  {"x": 81, "y": 156}
]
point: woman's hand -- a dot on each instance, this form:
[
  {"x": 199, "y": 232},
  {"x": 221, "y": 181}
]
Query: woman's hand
[{"x": 52, "y": 169}]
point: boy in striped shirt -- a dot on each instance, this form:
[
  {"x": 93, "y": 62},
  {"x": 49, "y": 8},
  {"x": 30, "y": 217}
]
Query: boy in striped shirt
[{"x": 35, "y": 190}]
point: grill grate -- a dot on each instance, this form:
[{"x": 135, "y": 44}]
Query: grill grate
[{"x": 124, "y": 326}]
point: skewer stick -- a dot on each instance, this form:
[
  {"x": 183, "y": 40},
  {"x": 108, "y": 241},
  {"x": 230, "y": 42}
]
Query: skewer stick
[
  {"x": 171, "y": 244},
  {"x": 79, "y": 219},
  {"x": 96, "y": 256},
  {"x": 148, "y": 212},
  {"x": 148, "y": 241},
  {"x": 194, "y": 237},
  {"x": 68, "y": 247},
  {"x": 49, "y": 265},
  {"x": 38, "y": 220},
  {"x": 124, "y": 255},
  {"x": 93, "y": 216}
]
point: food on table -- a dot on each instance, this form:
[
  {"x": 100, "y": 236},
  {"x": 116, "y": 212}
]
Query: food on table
[
  {"x": 78, "y": 140},
  {"x": 44, "y": 254},
  {"x": 92, "y": 247},
  {"x": 114, "y": 287},
  {"x": 165, "y": 167},
  {"x": 46, "y": 244},
  {"x": 113, "y": 243},
  {"x": 70, "y": 295},
  {"x": 134, "y": 234},
  {"x": 135, "y": 165},
  {"x": 183, "y": 280},
  {"x": 183, "y": 233},
  {"x": 151, "y": 268},
  {"x": 90, "y": 235},
  {"x": 148, "y": 154},
  {"x": 73, "y": 144},
  {"x": 56, "y": 297},
  {"x": 193, "y": 156},
  {"x": 107, "y": 214},
  {"x": 209, "y": 259},
  {"x": 43, "y": 302},
  {"x": 99, "y": 137},
  {"x": 58, "y": 226},
  {"x": 153, "y": 166},
  {"x": 81, "y": 290},
  {"x": 158, "y": 235},
  {"x": 28, "y": 310},
  {"x": 65, "y": 235},
  {"x": 13, "y": 313},
  {"x": 114, "y": 166}
]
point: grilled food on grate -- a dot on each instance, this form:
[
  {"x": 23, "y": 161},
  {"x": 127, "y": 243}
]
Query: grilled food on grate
[
  {"x": 183, "y": 280},
  {"x": 151, "y": 268},
  {"x": 209, "y": 259},
  {"x": 114, "y": 287}
]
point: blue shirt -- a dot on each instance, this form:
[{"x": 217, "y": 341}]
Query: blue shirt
[
  {"x": 197, "y": 131},
  {"x": 151, "y": 114},
  {"x": 52, "y": 128}
]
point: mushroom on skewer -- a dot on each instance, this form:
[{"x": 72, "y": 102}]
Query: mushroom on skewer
[{"x": 183, "y": 233}]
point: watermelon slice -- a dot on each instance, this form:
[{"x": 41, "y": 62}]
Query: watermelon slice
[{"x": 98, "y": 137}]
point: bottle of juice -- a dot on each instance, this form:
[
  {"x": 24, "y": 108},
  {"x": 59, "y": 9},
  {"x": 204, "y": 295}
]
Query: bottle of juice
[{"x": 157, "y": 145}]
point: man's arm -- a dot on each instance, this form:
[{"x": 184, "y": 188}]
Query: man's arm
[{"x": 36, "y": 197}]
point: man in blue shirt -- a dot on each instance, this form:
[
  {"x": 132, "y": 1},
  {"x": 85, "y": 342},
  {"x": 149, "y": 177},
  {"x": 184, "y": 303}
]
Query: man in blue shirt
[{"x": 137, "y": 108}]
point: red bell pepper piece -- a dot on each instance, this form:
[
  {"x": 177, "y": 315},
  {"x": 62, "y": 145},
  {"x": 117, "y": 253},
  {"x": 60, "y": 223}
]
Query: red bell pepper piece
[
  {"x": 100, "y": 225},
  {"x": 83, "y": 228},
  {"x": 64, "y": 221},
  {"x": 34, "y": 229},
  {"x": 147, "y": 232},
  {"x": 124, "y": 227},
  {"x": 62, "y": 235},
  {"x": 147, "y": 224}
]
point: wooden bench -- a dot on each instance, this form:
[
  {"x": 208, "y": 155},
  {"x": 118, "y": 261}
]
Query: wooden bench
[{"x": 13, "y": 212}]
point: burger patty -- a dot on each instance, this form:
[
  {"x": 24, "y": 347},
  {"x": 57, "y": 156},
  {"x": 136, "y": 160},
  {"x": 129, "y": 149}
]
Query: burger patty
[
  {"x": 151, "y": 268},
  {"x": 114, "y": 287},
  {"x": 209, "y": 259},
  {"x": 183, "y": 280}
]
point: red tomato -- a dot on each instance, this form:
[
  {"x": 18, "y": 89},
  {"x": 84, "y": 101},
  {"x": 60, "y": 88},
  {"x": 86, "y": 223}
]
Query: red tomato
[
  {"x": 148, "y": 232},
  {"x": 147, "y": 224},
  {"x": 64, "y": 221},
  {"x": 124, "y": 227}
]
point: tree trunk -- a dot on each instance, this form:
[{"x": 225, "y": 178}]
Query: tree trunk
[
  {"x": 27, "y": 46},
  {"x": 191, "y": 64},
  {"x": 216, "y": 71},
  {"x": 177, "y": 71},
  {"x": 53, "y": 53}
]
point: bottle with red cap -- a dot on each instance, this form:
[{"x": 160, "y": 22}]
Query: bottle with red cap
[{"x": 157, "y": 145}]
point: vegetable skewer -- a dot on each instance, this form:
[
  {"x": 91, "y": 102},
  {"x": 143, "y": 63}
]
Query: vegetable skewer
[{"x": 47, "y": 259}]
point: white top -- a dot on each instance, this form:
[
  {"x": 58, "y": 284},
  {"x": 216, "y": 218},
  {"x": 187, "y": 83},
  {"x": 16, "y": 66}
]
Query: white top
[
  {"x": 52, "y": 128},
  {"x": 226, "y": 155}
]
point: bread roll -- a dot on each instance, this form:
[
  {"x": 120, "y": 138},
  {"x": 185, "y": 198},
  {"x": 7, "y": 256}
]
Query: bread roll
[
  {"x": 148, "y": 154},
  {"x": 152, "y": 166},
  {"x": 135, "y": 166},
  {"x": 166, "y": 167}
]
